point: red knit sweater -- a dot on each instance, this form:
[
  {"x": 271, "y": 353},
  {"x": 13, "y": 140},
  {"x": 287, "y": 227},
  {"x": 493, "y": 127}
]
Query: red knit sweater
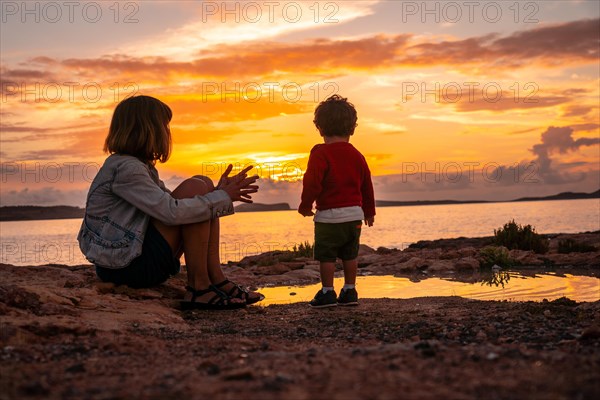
[{"x": 337, "y": 176}]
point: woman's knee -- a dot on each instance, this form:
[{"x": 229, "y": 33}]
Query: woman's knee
[
  {"x": 192, "y": 187},
  {"x": 206, "y": 180}
]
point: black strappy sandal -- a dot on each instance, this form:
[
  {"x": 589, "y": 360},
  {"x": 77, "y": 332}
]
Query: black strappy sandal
[
  {"x": 220, "y": 301},
  {"x": 238, "y": 292}
]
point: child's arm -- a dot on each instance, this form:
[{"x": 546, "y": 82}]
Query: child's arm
[
  {"x": 368, "y": 197},
  {"x": 312, "y": 182}
]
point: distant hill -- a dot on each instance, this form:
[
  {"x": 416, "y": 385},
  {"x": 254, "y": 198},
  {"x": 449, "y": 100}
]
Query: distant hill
[
  {"x": 29, "y": 213},
  {"x": 252, "y": 207},
  {"x": 386, "y": 203},
  {"x": 560, "y": 196},
  {"x": 564, "y": 196}
]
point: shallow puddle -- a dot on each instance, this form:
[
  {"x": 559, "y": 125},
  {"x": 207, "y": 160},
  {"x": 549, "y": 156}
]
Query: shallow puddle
[{"x": 504, "y": 286}]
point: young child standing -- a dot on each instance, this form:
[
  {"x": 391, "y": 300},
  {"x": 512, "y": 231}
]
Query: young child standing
[{"x": 339, "y": 180}]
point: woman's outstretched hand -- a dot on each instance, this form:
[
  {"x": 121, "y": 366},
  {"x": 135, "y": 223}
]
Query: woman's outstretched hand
[{"x": 240, "y": 186}]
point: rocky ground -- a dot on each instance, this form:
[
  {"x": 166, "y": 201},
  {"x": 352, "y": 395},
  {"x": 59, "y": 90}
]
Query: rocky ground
[
  {"x": 63, "y": 334},
  {"x": 459, "y": 258}
]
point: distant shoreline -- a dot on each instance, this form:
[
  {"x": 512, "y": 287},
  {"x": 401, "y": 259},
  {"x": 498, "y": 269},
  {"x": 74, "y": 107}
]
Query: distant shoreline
[
  {"x": 560, "y": 196},
  {"x": 36, "y": 213}
]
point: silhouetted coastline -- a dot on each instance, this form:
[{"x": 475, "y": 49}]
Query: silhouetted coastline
[{"x": 29, "y": 213}]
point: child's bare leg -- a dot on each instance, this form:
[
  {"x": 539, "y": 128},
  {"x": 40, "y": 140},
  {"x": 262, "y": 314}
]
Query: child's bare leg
[
  {"x": 350, "y": 271},
  {"x": 327, "y": 270},
  {"x": 326, "y": 296},
  {"x": 348, "y": 294}
]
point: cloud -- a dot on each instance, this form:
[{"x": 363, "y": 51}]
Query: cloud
[
  {"x": 551, "y": 46},
  {"x": 521, "y": 131},
  {"x": 47, "y": 196},
  {"x": 9, "y": 75},
  {"x": 13, "y": 81},
  {"x": 589, "y": 127},
  {"x": 12, "y": 128},
  {"x": 479, "y": 98},
  {"x": 558, "y": 140},
  {"x": 249, "y": 60},
  {"x": 542, "y": 175},
  {"x": 384, "y": 127},
  {"x": 80, "y": 144},
  {"x": 250, "y": 22},
  {"x": 577, "y": 110},
  {"x": 41, "y": 133},
  {"x": 278, "y": 192},
  {"x": 34, "y": 133},
  {"x": 576, "y": 39}
]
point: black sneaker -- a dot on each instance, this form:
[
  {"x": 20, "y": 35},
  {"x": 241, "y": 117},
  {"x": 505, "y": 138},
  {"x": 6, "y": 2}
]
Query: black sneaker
[
  {"x": 348, "y": 297},
  {"x": 323, "y": 300}
]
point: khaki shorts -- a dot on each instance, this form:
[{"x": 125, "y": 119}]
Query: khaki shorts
[{"x": 334, "y": 241}]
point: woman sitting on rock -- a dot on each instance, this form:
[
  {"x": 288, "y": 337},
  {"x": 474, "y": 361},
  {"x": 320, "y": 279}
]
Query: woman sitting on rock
[{"x": 135, "y": 230}]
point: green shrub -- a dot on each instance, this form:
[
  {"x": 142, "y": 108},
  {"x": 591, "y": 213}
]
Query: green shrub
[
  {"x": 492, "y": 255},
  {"x": 515, "y": 236},
  {"x": 304, "y": 250},
  {"x": 271, "y": 258},
  {"x": 571, "y": 246}
]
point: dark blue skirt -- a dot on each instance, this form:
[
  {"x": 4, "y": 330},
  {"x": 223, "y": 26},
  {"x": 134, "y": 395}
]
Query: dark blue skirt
[{"x": 154, "y": 266}]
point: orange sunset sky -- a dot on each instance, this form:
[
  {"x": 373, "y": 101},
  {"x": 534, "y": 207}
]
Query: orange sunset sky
[{"x": 456, "y": 100}]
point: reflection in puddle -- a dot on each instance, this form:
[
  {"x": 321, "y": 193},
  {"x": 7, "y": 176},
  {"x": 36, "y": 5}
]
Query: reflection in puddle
[
  {"x": 496, "y": 277},
  {"x": 497, "y": 286}
]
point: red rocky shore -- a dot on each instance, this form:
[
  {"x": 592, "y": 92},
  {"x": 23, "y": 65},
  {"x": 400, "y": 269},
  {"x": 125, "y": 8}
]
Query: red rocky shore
[
  {"x": 460, "y": 257},
  {"x": 64, "y": 334}
]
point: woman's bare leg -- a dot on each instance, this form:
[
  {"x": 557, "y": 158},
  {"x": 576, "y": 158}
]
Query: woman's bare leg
[
  {"x": 214, "y": 264},
  {"x": 194, "y": 240},
  {"x": 199, "y": 242},
  {"x": 214, "y": 259},
  {"x": 173, "y": 233}
]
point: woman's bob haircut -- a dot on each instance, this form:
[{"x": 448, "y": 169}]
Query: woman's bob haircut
[{"x": 140, "y": 128}]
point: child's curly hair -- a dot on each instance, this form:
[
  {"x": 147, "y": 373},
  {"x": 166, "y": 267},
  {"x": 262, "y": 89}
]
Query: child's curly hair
[{"x": 335, "y": 116}]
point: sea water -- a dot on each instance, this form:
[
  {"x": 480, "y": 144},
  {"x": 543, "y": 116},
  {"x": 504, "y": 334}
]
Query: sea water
[
  {"x": 54, "y": 242},
  {"x": 243, "y": 234}
]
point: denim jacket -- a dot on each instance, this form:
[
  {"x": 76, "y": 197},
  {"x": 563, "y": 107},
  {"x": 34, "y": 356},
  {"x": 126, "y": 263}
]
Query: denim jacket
[{"x": 123, "y": 196}]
